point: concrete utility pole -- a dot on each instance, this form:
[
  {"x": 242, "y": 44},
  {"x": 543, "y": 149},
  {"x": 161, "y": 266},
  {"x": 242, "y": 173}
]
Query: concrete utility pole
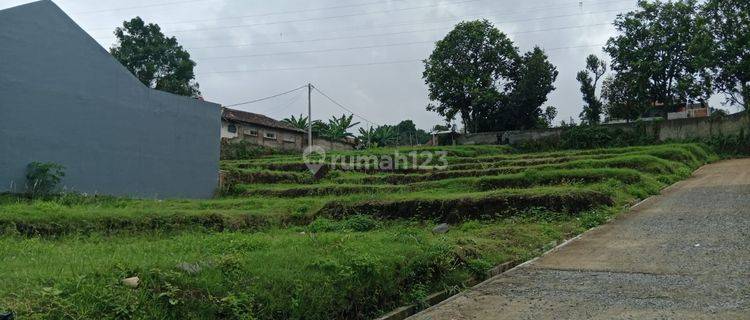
[{"x": 309, "y": 115}]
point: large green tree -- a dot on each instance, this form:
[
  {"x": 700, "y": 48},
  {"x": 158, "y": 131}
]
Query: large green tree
[
  {"x": 409, "y": 134},
  {"x": 548, "y": 117},
  {"x": 477, "y": 73},
  {"x": 664, "y": 46},
  {"x": 729, "y": 25},
  {"x": 589, "y": 79},
  {"x": 467, "y": 71},
  {"x": 625, "y": 96},
  {"x": 156, "y": 60},
  {"x": 532, "y": 81}
]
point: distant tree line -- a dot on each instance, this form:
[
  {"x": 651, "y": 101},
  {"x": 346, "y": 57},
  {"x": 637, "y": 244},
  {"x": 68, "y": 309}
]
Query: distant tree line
[
  {"x": 405, "y": 133},
  {"x": 668, "y": 54},
  {"x": 337, "y": 128},
  {"x": 665, "y": 54}
]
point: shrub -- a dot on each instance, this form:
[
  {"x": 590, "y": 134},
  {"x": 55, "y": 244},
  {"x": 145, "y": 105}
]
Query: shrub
[
  {"x": 478, "y": 268},
  {"x": 360, "y": 223},
  {"x": 459, "y": 209},
  {"x": 418, "y": 296},
  {"x": 592, "y": 219},
  {"x": 324, "y": 225},
  {"x": 248, "y": 176},
  {"x": 594, "y": 136},
  {"x": 356, "y": 223},
  {"x": 586, "y": 137},
  {"x": 42, "y": 178},
  {"x": 731, "y": 145},
  {"x": 242, "y": 150},
  {"x": 590, "y": 137}
]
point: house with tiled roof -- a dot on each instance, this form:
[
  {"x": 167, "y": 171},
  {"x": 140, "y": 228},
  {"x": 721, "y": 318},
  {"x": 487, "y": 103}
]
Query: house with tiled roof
[{"x": 261, "y": 130}]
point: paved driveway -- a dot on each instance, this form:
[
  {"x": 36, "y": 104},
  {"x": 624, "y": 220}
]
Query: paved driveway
[{"x": 682, "y": 255}]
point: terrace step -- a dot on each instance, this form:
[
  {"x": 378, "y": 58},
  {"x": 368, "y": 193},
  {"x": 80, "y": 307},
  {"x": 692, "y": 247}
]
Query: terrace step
[{"x": 470, "y": 208}]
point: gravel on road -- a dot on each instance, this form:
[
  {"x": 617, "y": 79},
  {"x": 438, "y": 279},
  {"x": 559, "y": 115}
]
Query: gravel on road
[{"x": 682, "y": 255}]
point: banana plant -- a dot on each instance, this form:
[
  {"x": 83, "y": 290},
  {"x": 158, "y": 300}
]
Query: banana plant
[{"x": 338, "y": 128}]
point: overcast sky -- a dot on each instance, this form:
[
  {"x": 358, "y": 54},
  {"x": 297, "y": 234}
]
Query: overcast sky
[{"x": 363, "y": 53}]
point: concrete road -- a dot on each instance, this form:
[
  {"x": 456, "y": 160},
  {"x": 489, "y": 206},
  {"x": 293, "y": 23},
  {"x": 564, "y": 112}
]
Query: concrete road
[{"x": 682, "y": 255}]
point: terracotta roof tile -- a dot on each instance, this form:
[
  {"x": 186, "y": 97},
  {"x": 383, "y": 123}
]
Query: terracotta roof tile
[{"x": 257, "y": 119}]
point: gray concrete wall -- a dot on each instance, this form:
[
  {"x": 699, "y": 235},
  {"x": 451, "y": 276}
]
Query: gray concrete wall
[
  {"x": 65, "y": 99},
  {"x": 513, "y": 137},
  {"x": 329, "y": 145},
  {"x": 679, "y": 129},
  {"x": 480, "y": 138},
  {"x": 507, "y": 137}
]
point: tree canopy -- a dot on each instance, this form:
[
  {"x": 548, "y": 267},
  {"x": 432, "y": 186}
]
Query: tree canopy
[
  {"x": 532, "y": 81},
  {"x": 589, "y": 79},
  {"x": 466, "y": 68},
  {"x": 156, "y": 60},
  {"x": 477, "y": 74},
  {"x": 410, "y": 135},
  {"x": 661, "y": 54},
  {"x": 625, "y": 97},
  {"x": 729, "y": 25}
]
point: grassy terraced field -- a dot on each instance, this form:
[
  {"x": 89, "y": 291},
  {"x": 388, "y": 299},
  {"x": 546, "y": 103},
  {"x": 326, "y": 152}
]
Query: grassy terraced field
[{"x": 278, "y": 244}]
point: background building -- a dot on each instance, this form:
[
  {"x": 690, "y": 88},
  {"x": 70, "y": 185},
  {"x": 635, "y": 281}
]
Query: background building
[
  {"x": 691, "y": 110},
  {"x": 260, "y": 130}
]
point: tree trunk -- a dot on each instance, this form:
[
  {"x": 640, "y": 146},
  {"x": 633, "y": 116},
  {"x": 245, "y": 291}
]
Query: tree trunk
[{"x": 746, "y": 98}]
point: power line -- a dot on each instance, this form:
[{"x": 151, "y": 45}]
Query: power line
[
  {"x": 423, "y": 22},
  {"x": 394, "y": 33},
  {"x": 572, "y": 47},
  {"x": 323, "y": 18},
  {"x": 140, "y": 7},
  {"x": 329, "y": 17},
  {"x": 284, "y": 107},
  {"x": 340, "y": 105},
  {"x": 383, "y": 45},
  {"x": 263, "y": 14},
  {"x": 321, "y": 39},
  {"x": 266, "y": 98},
  {"x": 316, "y": 51},
  {"x": 364, "y": 64},
  {"x": 315, "y": 67}
]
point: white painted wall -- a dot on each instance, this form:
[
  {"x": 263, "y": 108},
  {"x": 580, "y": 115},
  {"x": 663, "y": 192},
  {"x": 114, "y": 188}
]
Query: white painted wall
[{"x": 225, "y": 131}]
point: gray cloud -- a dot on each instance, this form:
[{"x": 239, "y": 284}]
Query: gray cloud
[{"x": 385, "y": 93}]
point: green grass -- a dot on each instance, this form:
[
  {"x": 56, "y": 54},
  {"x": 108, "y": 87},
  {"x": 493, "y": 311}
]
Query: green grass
[
  {"x": 643, "y": 163},
  {"x": 525, "y": 179},
  {"x": 337, "y": 274},
  {"x": 456, "y": 208},
  {"x": 279, "y": 244}
]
